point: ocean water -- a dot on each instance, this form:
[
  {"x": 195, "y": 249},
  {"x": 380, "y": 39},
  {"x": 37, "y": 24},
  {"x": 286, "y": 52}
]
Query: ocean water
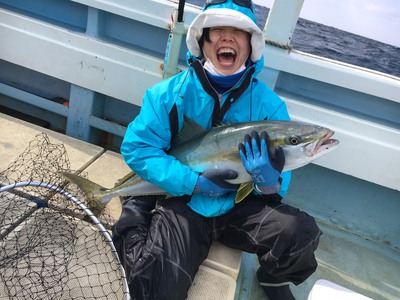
[
  {"x": 333, "y": 43},
  {"x": 330, "y": 42}
]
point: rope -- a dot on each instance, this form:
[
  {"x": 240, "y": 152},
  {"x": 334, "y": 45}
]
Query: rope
[{"x": 279, "y": 45}]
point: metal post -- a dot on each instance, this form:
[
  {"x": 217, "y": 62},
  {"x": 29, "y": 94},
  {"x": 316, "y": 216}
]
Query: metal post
[
  {"x": 83, "y": 103},
  {"x": 174, "y": 43},
  {"x": 281, "y": 21}
]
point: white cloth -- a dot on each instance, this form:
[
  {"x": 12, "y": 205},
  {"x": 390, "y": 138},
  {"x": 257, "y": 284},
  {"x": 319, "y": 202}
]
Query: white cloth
[
  {"x": 209, "y": 66},
  {"x": 224, "y": 17}
]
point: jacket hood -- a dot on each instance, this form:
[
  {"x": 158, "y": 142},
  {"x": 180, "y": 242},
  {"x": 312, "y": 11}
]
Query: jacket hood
[{"x": 226, "y": 14}]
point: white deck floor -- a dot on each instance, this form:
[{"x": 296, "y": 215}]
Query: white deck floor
[{"x": 217, "y": 276}]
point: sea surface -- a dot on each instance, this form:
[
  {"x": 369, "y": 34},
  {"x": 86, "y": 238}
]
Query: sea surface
[{"x": 333, "y": 43}]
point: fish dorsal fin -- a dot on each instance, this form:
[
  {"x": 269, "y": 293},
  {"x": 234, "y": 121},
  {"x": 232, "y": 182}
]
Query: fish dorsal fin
[
  {"x": 244, "y": 190},
  {"x": 189, "y": 132}
]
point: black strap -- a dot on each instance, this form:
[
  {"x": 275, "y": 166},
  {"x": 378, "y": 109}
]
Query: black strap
[
  {"x": 233, "y": 96},
  {"x": 219, "y": 113},
  {"x": 173, "y": 121},
  {"x": 198, "y": 68}
]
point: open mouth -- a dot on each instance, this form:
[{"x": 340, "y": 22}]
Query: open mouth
[
  {"x": 321, "y": 145},
  {"x": 226, "y": 56}
]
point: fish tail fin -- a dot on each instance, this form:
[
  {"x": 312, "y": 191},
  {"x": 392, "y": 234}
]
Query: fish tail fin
[{"x": 93, "y": 191}]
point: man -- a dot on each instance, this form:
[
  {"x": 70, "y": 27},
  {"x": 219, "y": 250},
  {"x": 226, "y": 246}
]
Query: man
[{"x": 162, "y": 242}]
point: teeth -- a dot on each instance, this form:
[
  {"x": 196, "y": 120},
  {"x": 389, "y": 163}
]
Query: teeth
[{"x": 226, "y": 51}]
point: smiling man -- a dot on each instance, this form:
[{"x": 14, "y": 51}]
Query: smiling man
[{"x": 162, "y": 242}]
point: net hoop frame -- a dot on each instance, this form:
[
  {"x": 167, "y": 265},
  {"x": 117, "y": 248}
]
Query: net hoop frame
[{"x": 87, "y": 211}]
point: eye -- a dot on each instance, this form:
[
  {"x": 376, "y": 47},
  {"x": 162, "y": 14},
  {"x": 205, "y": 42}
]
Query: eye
[
  {"x": 294, "y": 140},
  {"x": 216, "y": 29},
  {"x": 240, "y": 30}
]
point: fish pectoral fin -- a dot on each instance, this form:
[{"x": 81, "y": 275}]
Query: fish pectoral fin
[{"x": 244, "y": 190}]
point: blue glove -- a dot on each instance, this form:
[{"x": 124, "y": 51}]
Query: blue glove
[
  {"x": 213, "y": 183},
  {"x": 264, "y": 165}
]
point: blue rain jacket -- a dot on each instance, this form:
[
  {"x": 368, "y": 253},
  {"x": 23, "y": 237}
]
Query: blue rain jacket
[{"x": 189, "y": 93}]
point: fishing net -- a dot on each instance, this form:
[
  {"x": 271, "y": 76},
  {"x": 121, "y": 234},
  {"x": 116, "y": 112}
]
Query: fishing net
[{"x": 49, "y": 248}]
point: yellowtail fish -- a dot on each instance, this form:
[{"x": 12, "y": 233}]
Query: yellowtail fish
[{"x": 217, "y": 148}]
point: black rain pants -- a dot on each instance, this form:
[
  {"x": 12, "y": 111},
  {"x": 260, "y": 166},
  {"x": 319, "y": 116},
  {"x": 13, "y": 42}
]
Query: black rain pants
[{"x": 162, "y": 249}]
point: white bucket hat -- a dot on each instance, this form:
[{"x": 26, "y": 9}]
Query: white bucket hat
[{"x": 227, "y": 13}]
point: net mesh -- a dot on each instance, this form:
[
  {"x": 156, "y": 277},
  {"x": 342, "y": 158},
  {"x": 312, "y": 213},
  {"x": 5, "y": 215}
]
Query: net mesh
[{"x": 47, "y": 248}]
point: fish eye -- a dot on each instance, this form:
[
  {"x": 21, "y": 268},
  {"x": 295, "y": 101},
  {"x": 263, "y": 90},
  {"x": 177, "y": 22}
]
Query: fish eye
[{"x": 294, "y": 140}]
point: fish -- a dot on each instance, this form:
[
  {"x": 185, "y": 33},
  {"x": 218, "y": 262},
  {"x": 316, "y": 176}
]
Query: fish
[{"x": 217, "y": 148}]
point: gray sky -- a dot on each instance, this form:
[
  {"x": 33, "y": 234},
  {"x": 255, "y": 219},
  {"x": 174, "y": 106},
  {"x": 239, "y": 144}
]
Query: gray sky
[{"x": 376, "y": 19}]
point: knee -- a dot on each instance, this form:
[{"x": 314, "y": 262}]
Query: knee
[
  {"x": 300, "y": 229},
  {"x": 291, "y": 257}
]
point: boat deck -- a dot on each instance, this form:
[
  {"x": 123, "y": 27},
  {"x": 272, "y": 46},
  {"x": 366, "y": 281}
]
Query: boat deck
[
  {"x": 346, "y": 259},
  {"x": 217, "y": 276}
]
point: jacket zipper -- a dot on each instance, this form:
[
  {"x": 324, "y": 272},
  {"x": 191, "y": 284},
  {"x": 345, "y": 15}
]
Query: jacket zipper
[{"x": 226, "y": 92}]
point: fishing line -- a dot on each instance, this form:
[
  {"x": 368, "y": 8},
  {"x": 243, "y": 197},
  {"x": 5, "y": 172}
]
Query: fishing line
[{"x": 88, "y": 212}]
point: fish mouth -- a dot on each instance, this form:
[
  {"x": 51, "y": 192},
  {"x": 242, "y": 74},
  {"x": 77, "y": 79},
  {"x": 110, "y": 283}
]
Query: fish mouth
[{"x": 321, "y": 145}]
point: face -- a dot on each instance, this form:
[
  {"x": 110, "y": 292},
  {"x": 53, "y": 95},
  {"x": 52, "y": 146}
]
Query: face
[{"x": 228, "y": 49}]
